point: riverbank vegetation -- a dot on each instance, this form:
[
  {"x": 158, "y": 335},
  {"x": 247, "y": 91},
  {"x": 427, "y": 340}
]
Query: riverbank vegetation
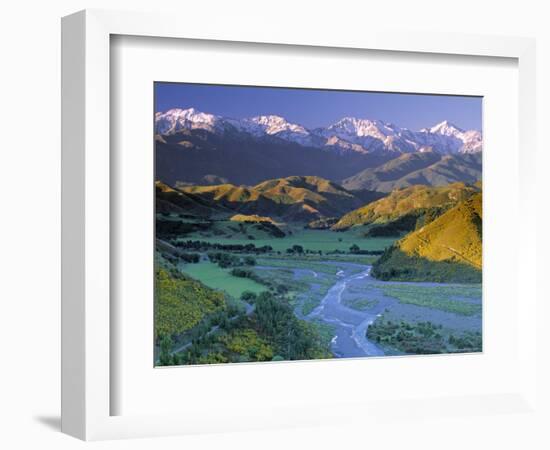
[
  {"x": 360, "y": 304},
  {"x": 206, "y": 313},
  {"x": 421, "y": 338},
  {"x": 462, "y": 300},
  {"x": 270, "y": 332}
]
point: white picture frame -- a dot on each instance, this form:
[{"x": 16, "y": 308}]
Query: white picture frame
[{"x": 87, "y": 385}]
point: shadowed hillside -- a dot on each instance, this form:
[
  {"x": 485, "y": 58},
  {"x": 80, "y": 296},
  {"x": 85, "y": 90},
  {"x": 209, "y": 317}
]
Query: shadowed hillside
[
  {"x": 190, "y": 156},
  {"x": 429, "y": 168}
]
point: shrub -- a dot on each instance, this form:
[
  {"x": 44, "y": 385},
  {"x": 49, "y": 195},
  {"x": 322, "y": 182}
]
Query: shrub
[
  {"x": 189, "y": 257},
  {"x": 249, "y": 260},
  {"x": 242, "y": 273},
  {"x": 248, "y": 296},
  {"x": 421, "y": 338}
]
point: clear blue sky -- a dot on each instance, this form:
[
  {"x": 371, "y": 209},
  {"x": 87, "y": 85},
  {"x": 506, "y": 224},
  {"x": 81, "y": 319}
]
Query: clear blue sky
[{"x": 314, "y": 108}]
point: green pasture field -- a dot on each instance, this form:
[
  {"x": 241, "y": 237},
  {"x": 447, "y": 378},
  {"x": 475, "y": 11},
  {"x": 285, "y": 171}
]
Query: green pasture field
[
  {"x": 458, "y": 299},
  {"x": 217, "y": 278},
  {"x": 313, "y": 240}
]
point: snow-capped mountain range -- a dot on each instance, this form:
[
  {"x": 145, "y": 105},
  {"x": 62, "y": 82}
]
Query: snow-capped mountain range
[{"x": 348, "y": 135}]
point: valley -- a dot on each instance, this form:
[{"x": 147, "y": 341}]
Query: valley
[
  {"x": 339, "y": 286},
  {"x": 277, "y": 242}
]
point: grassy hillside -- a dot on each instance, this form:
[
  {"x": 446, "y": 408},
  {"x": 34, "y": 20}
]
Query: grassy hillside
[
  {"x": 181, "y": 302},
  {"x": 455, "y": 236},
  {"x": 251, "y": 218},
  {"x": 196, "y": 322},
  {"x": 430, "y": 168},
  {"x": 298, "y": 187},
  {"x": 169, "y": 200},
  {"x": 412, "y": 202},
  {"x": 447, "y": 249},
  {"x": 292, "y": 199}
]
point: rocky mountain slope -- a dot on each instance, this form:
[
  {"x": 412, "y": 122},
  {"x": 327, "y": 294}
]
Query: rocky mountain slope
[{"x": 191, "y": 145}]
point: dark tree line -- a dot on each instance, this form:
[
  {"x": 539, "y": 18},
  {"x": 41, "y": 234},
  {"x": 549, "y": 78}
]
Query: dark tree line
[{"x": 237, "y": 248}]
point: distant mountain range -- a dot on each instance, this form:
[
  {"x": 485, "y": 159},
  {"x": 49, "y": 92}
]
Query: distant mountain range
[
  {"x": 349, "y": 134},
  {"x": 193, "y": 146}
]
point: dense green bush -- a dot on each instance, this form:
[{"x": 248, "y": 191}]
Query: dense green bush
[
  {"x": 249, "y": 260},
  {"x": 242, "y": 273},
  {"x": 248, "y": 296},
  {"x": 394, "y": 264},
  {"x": 202, "y": 246},
  {"x": 224, "y": 260},
  {"x": 291, "y": 338},
  {"x": 181, "y": 303},
  {"x": 192, "y": 258},
  {"x": 421, "y": 338}
]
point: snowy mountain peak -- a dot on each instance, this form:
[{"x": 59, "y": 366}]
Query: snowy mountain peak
[
  {"x": 466, "y": 141},
  {"x": 360, "y": 127},
  {"x": 348, "y": 135},
  {"x": 269, "y": 119},
  {"x": 178, "y": 119},
  {"x": 446, "y": 128},
  {"x": 189, "y": 113},
  {"x": 273, "y": 124}
]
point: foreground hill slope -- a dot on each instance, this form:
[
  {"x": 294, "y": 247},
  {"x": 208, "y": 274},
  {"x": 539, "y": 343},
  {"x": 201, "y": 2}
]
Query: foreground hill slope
[
  {"x": 455, "y": 236},
  {"x": 447, "y": 249},
  {"x": 408, "y": 205},
  {"x": 181, "y": 302}
]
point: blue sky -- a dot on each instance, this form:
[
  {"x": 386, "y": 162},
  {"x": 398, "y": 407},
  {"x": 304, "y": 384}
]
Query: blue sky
[{"x": 314, "y": 108}]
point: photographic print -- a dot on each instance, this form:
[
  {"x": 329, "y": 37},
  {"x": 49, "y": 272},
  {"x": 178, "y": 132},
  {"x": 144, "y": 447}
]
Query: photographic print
[{"x": 302, "y": 224}]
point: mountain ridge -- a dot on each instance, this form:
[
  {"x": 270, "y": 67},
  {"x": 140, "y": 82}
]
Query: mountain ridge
[
  {"x": 345, "y": 135},
  {"x": 191, "y": 154},
  {"x": 415, "y": 201},
  {"x": 294, "y": 198},
  {"x": 428, "y": 168}
]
